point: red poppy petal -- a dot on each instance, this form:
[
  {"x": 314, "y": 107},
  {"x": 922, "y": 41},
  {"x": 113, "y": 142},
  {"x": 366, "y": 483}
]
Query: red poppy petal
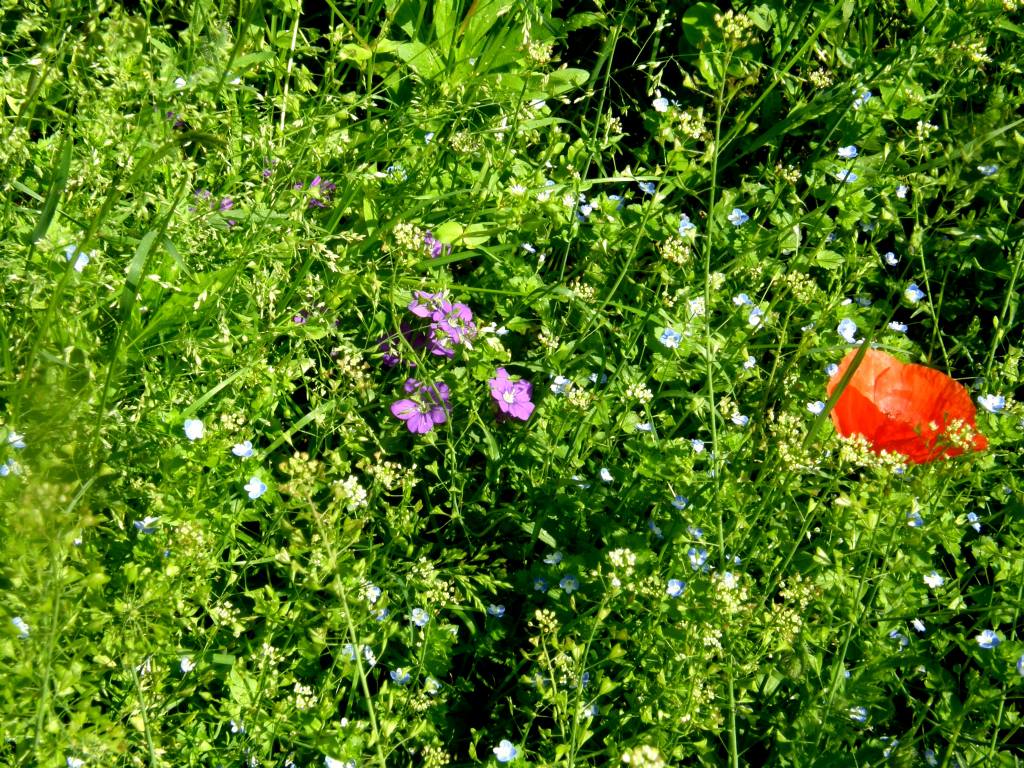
[
  {"x": 893, "y": 405},
  {"x": 872, "y": 364},
  {"x": 855, "y": 414}
]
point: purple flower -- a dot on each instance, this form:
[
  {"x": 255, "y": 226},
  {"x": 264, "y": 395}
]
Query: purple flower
[
  {"x": 226, "y": 204},
  {"x": 427, "y": 406},
  {"x": 424, "y": 304},
  {"x": 512, "y": 397},
  {"x": 435, "y": 246},
  {"x": 300, "y": 319},
  {"x": 455, "y": 321}
]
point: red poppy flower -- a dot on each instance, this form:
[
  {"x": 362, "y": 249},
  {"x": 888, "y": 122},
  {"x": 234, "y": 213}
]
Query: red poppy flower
[{"x": 901, "y": 407}]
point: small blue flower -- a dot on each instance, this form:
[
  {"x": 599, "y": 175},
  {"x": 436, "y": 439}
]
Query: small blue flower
[
  {"x": 419, "y": 617},
  {"x": 242, "y": 450},
  {"x": 553, "y": 558},
  {"x": 655, "y": 529},
  {"x": 255, "y": 487},
  {"x": 738, "y": 218},
  {"x": 505, "y": 752},
  {"x": 972, "y": 520},
  {"x": 898, "y": 326},
  {"x": 22, "y": 626},
  {"x": 605, "y": 475},
  {"x": 741, "y": 299},
  {"x": 817, "y": 407},
  {"x": 432, "y": 686},
  {"x": 988, "y": 170},
  {"x": 992, "y": 403},
  {"x": 194, "y": 429},
  {"x": 934, "y": 580},
  {"x": 9, "y": 467},
  {"x": 675, "y": 587},
  {"x": 372, "y": 593},
  {"x": 913, "y": 293},
  {"x": 496, "y": 610},
  {"x": 569, "y": 584},
  {"x": 428, "y": 137},
  {"x": 859, "y": 714},
  {"x": 739, "y": 419},
  {"x": 754, "y": 318},
  {"x": 660, "y": 104},
  {"x": 15, "y": 440},
  {"x": 750, "y": 362},
  {"x": 647, "y": 187},
  {"x": 1020, "y": 666},
  {"x": 988, "y": 639},
  {"x": 680, "y": 502},
  {"x": 891, "y": 258},
  {"x": 698, "y": 558},
  {"x": 831, "y": 370},
  {"x": 901, "y": 191},
  {"x": 697, "y": 445},
  {"x": 670, "y": 338},
  {"x": 903, "y": 639},
  {"x": 848, "y": 330},
  {"x": 146, "y": 525},
  {"x": 382, "y": 614},
  {"x": 686, "y": 227},
  {"x": 846, "y": 176},
  {"x": 848, "y": 152},
  {"x": 81, "y": 262},
  {"x": 914, "y": 519},
  {"x": 918, "y": 626},
  {"x": 861, "y": 100},
  {"x": 540, "y": 584},
  {"x": 400, "y": 676},
  {"x": 695, "y": 531}
]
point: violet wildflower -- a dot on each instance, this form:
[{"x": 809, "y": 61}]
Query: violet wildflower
[
  {"x": 512, "y": 397},
  {"x": 451, "y": 325},
  {"x": 226, "y": 204},
  {"x": 424, "y": 304},
  {"x": 427, "y": 407},
  {"x": 435, "y": 246}
]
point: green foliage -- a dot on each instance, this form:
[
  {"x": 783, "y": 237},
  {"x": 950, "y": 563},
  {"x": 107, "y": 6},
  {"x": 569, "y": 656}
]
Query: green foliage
[{"x": 220, "y": 228}]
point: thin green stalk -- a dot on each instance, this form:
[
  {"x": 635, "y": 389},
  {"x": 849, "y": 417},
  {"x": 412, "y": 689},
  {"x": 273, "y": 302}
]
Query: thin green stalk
[{"x": 709, "y": 356}]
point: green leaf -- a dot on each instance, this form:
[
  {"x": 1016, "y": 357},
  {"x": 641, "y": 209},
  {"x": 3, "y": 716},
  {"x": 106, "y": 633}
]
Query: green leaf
[
  {"x": 699, "y": 24},
  {"x": 57, "y": 184}
]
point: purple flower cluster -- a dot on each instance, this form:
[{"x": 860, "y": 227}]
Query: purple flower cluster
[
  {"x": 448, "y": 325},
  {"x": 426, "y": 406},
  {"x": 321, "y": 192},
  {"x": 512, "y": 397},
  {"x": 451, "y": 324}
]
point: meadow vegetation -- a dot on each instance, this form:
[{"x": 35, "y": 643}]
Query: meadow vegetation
[{"x": 393, "y": 382}]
